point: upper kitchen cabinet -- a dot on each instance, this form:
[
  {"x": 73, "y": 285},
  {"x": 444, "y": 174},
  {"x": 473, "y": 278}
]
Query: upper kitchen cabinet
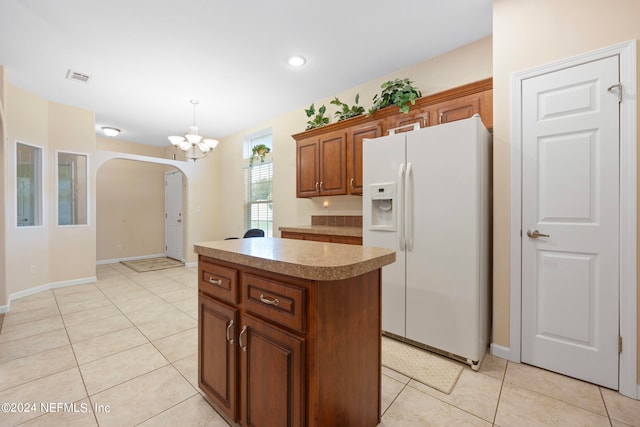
[
  {"x": 355, "y": 136},
  {"x": 329, "y": 158},
  {"x": 464, "y": 107},
  {"x": 405, "y": 122},
  {"x": 321, "y": 168}
]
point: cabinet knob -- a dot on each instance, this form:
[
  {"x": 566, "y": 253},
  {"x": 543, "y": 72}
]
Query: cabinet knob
[
  {"x": 351, "y": 183},
  {"x": 321, "y": 189},
  {"x": 316, "y": 185}
]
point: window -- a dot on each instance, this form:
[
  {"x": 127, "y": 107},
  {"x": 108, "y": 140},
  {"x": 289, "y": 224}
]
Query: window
[
  {"x": 263, "y": 137},
  {"x": 258, "y": 186},
  {"x": 258, "y": 197},
  {"x": 28, "y": 185},
  {"x": 72, "y": 189}
]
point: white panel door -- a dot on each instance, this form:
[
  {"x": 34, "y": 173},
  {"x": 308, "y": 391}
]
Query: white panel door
[
  {"x": 173, "y": 215},
  {"x": 570, "y": 190}
]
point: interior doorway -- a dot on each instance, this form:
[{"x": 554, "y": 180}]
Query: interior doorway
[{"x": 625, "y": 209}]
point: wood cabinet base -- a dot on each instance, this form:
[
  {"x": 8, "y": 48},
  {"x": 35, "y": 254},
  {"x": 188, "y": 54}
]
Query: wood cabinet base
[{"x": 291, "y": 352}]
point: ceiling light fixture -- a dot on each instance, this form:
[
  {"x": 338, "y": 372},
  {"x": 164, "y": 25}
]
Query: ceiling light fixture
[
  {"x": 110, "y": 131},
  {"x": 297, "y": 61},
  {"x": 192, "y": 144}
]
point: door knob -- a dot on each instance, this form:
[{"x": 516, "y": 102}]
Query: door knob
[{"x": 534, "y": 234}]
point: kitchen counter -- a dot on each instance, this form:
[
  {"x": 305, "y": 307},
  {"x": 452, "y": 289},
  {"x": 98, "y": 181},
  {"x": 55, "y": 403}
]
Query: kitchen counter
[
  {"x": 331, "y": 230},
  {"x": 299, "y": 258}
]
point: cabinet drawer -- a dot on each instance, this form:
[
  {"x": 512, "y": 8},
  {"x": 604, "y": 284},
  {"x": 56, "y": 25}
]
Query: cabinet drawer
[
  {"x": 220, "y": 282},
  {"x": 278, "y": 302}
]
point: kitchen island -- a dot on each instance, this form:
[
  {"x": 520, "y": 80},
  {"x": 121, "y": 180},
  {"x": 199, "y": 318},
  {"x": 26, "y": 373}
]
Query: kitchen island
[{"x": 289, "y": 331}]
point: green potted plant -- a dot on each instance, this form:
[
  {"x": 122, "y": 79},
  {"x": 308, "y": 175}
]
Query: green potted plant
[
  {"x": 398, "y": 92},
  {"x": 347, "y": 112},
  {"x": 258, "y": 151},
  {"x": 319, "y": 119}
]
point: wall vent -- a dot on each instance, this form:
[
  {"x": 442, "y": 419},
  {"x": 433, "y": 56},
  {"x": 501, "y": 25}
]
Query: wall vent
[{"x": 79, "y": 77}]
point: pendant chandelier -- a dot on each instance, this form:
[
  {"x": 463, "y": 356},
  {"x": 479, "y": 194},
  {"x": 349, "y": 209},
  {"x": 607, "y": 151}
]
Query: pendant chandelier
[{"x": 192, "y": 144}]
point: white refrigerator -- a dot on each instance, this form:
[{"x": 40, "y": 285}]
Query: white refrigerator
[{"x": 427, "y": 195}]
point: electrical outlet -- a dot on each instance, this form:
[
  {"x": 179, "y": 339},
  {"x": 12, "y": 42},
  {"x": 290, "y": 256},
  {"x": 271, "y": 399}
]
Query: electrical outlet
[{"x": 34, "y": 268}]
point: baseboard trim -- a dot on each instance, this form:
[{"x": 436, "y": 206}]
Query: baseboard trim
[
  {"x": 499, "y": 351},
  {"x": 37, "y": 289},
  {"x": 132, "y": 258},
  {"x": 191, "y": 264}
]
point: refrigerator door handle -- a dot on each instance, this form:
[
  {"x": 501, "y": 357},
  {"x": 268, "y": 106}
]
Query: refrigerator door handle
[
  {"x": 408, "y": 207},
  {"x": 399, "y": 205}
]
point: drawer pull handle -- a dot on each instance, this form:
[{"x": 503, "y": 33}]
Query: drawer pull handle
[
  {"x": 269, "y": 301},
  {"x": 229, "y": 335},
  {"x": 215, "y": 282},
  {"x": 243, "y": 347}
]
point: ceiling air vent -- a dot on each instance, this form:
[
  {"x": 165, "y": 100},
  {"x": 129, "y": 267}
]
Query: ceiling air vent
[{"x": 78, "y": 77}]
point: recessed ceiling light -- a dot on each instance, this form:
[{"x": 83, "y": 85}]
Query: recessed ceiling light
[
  {"x": 109, "y": 131},
  {"x": 297, "y": 61}
]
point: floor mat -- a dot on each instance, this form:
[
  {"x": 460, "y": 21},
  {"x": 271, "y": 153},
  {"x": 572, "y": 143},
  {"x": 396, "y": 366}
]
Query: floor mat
[
  {"x": 421, "y": 365},
  {"x": 151, "y": 264}
]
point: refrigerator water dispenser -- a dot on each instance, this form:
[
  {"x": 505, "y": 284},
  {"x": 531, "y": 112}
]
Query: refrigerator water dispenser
[{"x": 383, "y": 217}]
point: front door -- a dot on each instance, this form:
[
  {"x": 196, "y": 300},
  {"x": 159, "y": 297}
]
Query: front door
[
  {"x": 173, "y": 221},
  {"x": 570, "y": 221}
]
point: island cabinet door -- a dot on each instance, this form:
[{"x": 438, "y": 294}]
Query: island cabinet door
[
  {"x": 272, "y": 369},
  {"x": 218, "y": 354}
]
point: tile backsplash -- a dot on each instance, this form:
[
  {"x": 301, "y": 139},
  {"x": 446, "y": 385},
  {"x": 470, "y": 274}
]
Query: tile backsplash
[{"x": 337, "y": 220}]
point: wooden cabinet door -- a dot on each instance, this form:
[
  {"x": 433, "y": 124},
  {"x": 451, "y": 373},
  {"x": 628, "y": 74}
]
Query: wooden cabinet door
[
  {"x": 465, "y": 107},
  {"x": 422, "y": 116},
  {"x": 308, "y": 168},
  {"x": 354, "y": 153},
  {"x": 272, "y": 368},
  {"x": 333, "y": 163},
  {"x": 217, "y": 353}
]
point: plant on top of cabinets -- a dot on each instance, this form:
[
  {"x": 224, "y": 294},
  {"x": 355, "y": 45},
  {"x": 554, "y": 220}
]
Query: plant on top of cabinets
[
  {"x": 399, "y": 92},
  {"x": 347, "y": 112},
  {"x": 258, "y": 151},
  {"x": 319, "y": 120}
]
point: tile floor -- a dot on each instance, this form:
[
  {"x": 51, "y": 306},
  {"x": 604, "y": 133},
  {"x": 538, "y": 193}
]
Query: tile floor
[{"x": 122, "y": 352}]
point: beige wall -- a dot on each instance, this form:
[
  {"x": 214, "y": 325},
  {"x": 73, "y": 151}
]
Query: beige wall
[
  {"x": 129, "y": 209},
  {"x": 527, "y": 34},
  {"x": 464, "y": 65},
  {"x": 48, "y": 254}
]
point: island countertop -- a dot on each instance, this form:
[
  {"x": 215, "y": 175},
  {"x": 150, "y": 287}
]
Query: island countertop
[{"x": 299, "y": 258}]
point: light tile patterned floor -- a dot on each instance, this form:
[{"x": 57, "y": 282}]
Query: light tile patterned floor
[{"x": 128, "y": 344}]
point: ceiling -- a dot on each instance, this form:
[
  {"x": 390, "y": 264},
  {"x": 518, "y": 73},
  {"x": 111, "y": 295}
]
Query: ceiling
[{"x": 147, "y": 58}]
